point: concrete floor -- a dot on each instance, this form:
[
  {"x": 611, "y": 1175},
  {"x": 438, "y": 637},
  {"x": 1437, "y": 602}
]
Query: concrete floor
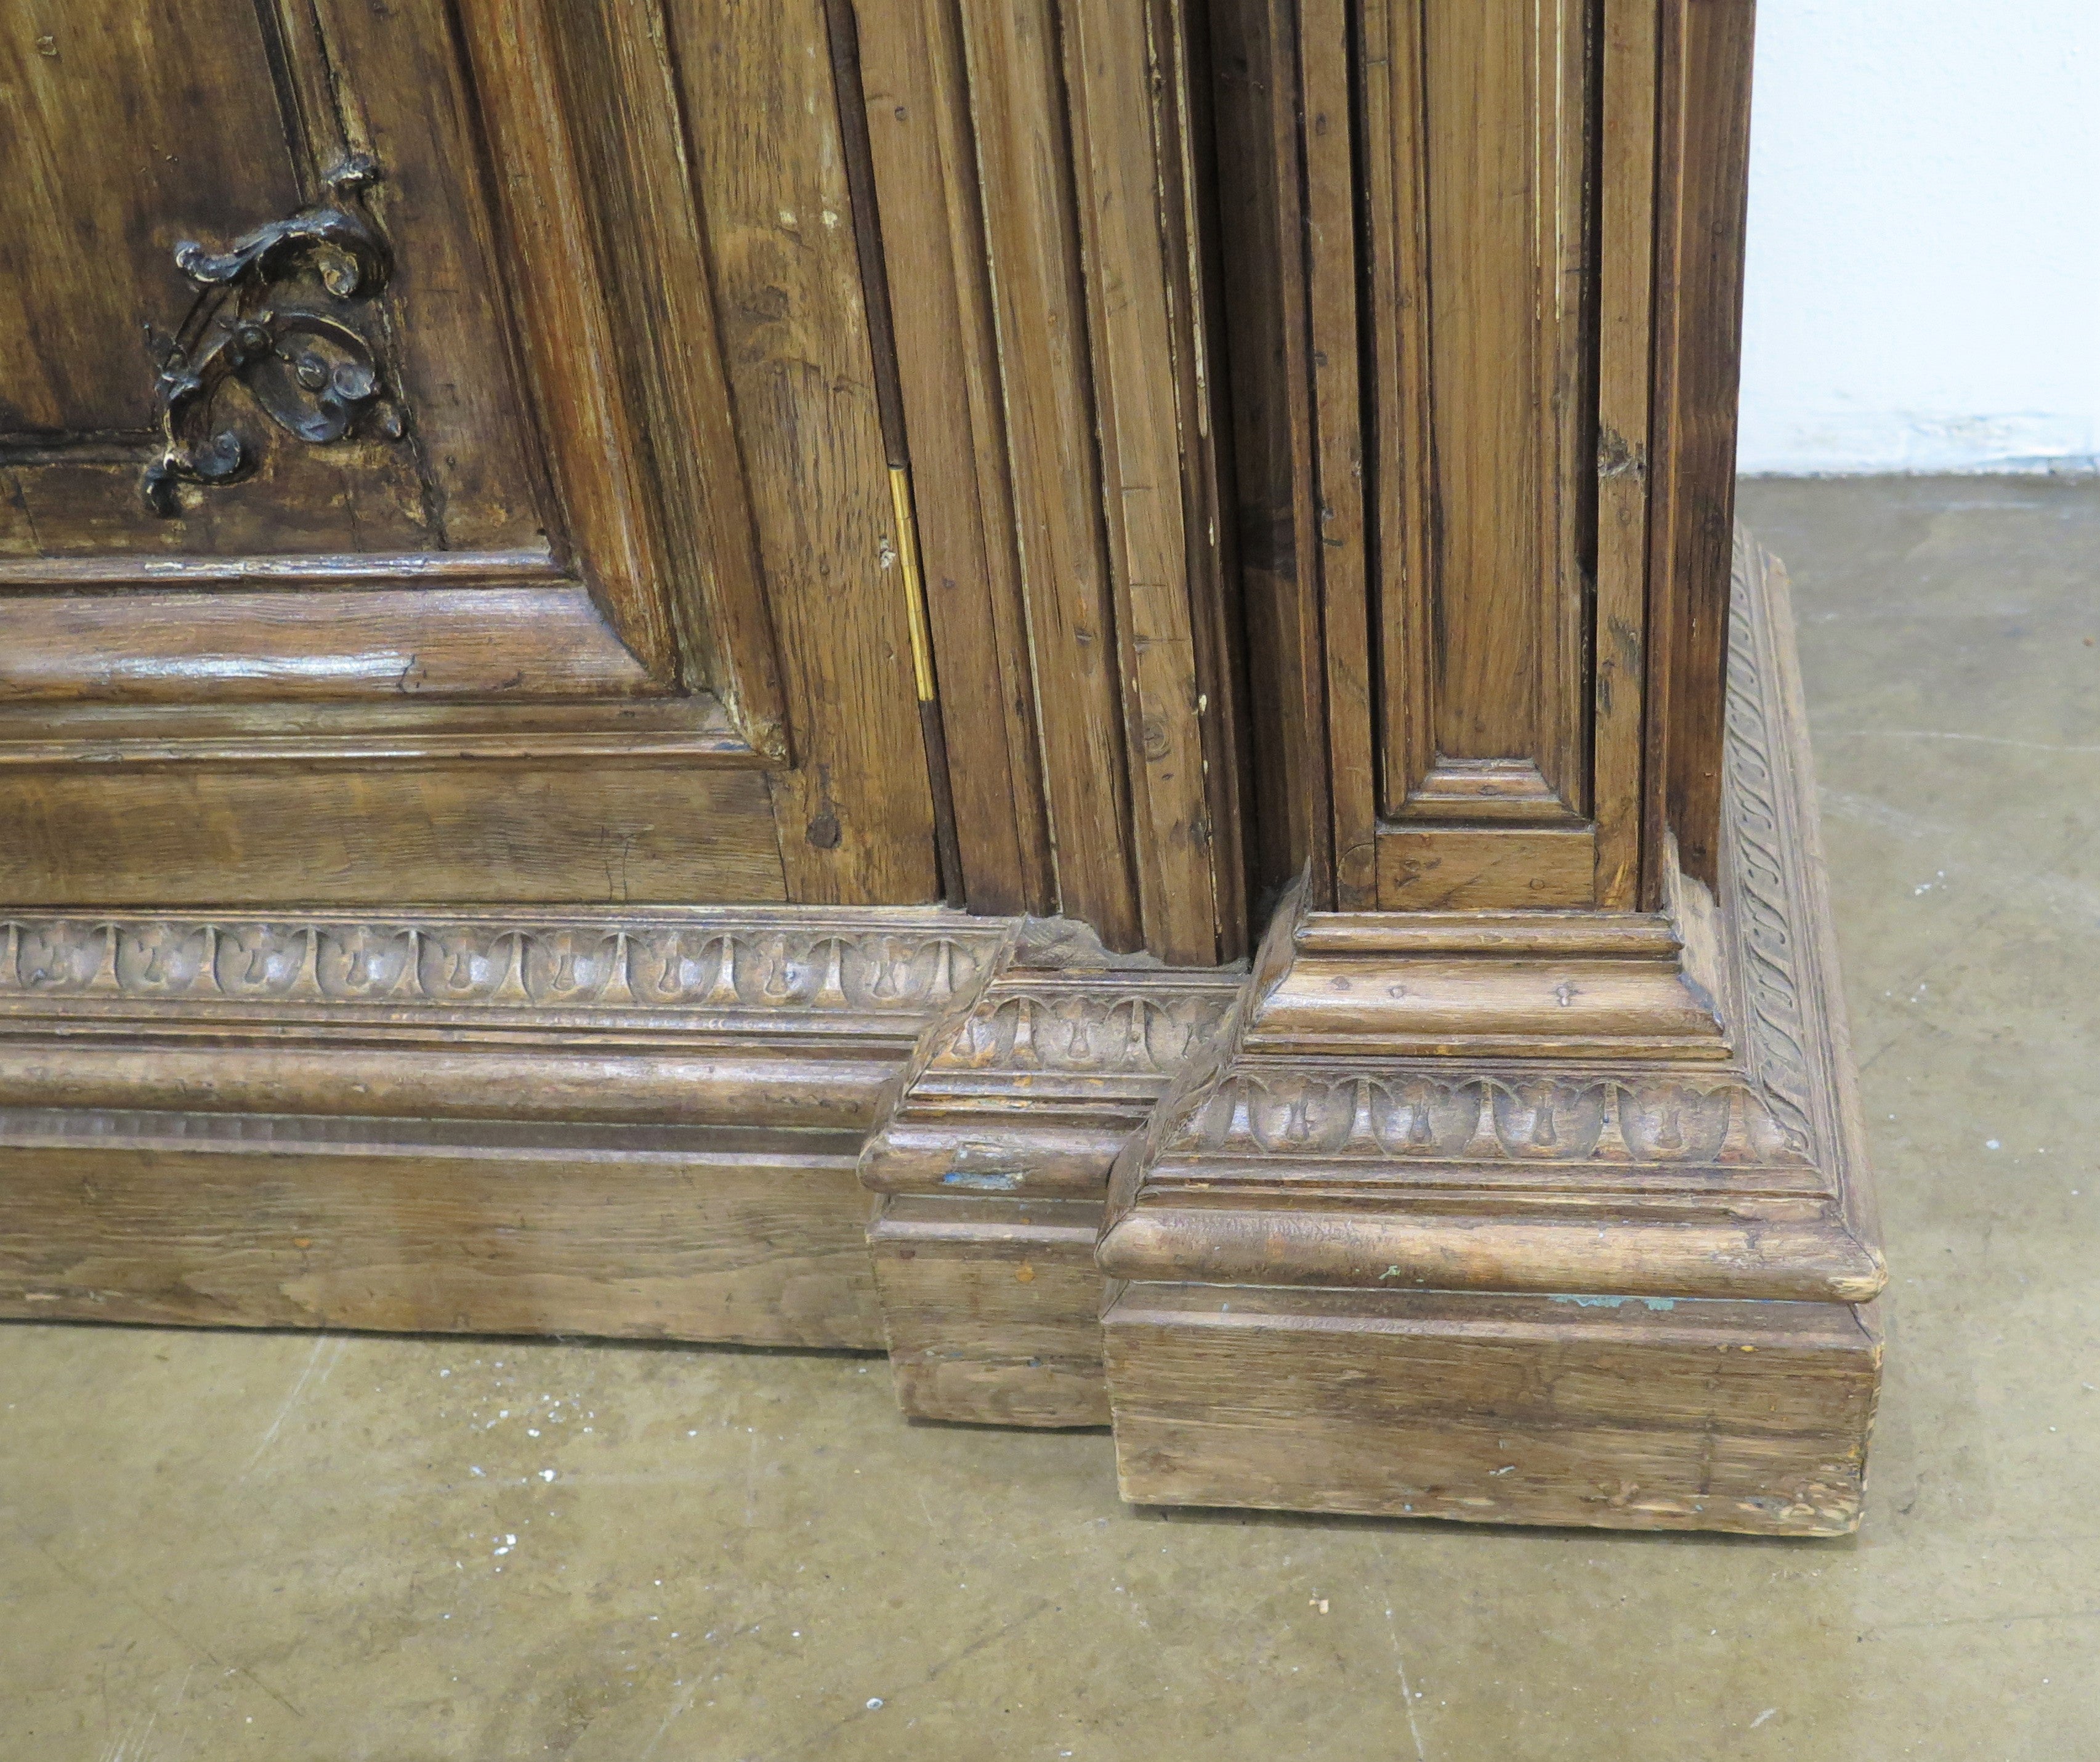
[{"x": 282, "y": 1546}]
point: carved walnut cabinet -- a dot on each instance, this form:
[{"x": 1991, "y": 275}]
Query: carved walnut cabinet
[{"x": 1063, "y": 685}]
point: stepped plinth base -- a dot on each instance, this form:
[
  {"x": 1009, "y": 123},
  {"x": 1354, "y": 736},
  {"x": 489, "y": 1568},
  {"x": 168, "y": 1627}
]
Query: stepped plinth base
[{"x": 1524, "y": 1217}]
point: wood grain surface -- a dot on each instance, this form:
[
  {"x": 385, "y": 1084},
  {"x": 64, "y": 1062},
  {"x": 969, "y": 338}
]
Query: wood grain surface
[
  {"x": 1746, "y": 1417},
  {"x": 748, "y": 1242},
  {"x": 991, "y": 1309}
]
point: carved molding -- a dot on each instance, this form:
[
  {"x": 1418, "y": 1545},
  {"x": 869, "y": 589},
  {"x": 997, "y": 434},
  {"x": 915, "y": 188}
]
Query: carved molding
[
  {"x": 759, "y": 1018},
  {"x": 1036, "y": 1084},
  {"x": 1489, "y": 1118},
  {"x": 311, "y": 372},
  {"x": 706, "y": 966},
  {"x": 1765, "y": 940},
  {"x": 1149, "y": 1032}
]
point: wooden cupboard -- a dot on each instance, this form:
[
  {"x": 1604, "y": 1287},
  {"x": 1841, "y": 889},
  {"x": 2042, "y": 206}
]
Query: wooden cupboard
[{"x": 628, "y": 628}]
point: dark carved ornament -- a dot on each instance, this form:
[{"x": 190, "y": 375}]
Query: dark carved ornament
[{"x": 311, "y": 372}]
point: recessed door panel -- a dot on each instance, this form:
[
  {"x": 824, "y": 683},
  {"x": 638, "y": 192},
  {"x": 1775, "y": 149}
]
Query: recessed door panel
[
  {"x": 416, "y": 422},
  {"x": 1477, "y": 164}
]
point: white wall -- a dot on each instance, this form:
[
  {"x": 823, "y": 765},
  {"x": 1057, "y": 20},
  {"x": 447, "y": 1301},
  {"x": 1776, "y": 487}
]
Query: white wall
[{"x": 1924, "y": 278}]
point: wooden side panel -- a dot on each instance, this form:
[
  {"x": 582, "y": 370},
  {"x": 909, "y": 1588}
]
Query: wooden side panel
[
  {"x": 1040, "y": 170},
  {"x": 1702, "y": 185},
  {"x": 992, "y": 1309},
  {"x": 1479, "y": 162},
  {"x": 857, "y": 816}
]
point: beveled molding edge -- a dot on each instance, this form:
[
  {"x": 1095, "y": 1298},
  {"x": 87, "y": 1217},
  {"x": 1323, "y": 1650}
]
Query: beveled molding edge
[
  {"x": 1403, "y": 1106},
  {"x": 1030, "y": 1088},
  {"x": 791, "y": 1016}
]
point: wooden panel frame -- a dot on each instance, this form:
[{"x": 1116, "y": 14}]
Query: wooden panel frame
[
  {"x": 632, "y": 130},
  {"x": 802, "y": 357},
  {"x": 633, "y": 228},
  {"x": 1669, "y": 105},
  {"x": 357, "y": 616}
]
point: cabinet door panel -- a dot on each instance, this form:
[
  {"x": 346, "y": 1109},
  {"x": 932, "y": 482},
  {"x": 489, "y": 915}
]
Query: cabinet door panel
[
  {"x": 98, "y": 99},
  {"x": 138, "y": 128},
  {"x": 331, "y": 552}
]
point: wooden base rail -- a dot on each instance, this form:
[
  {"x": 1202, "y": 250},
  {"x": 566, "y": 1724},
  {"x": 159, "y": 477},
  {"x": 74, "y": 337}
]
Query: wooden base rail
[{"x": 1536, "y": 1216}]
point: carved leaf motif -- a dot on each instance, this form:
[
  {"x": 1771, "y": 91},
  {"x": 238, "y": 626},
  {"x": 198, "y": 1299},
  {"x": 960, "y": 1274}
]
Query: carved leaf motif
[
  {"x": 597, "y": 965},
  {"x": 567, "y": 967},
  {"x": 58, "y": 957},
  {"x": 260, "y": 959},
  {"x": 1671, "y": 1123},
  {"x": 1484, "y": 1119},
  {"x": 364, "y": 961},
  {"x": 163, "y": 959},
  {"x": 1130, "y": 1033},
  {"x": 1421, "y": 1117},
  {"x": 1553, "y": 1122}
]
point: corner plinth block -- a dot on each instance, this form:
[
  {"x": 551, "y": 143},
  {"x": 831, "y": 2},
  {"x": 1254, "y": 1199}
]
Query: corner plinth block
[
  {"x": 991, "y": 1164},
  {"x": 1524, "y": 1217}
]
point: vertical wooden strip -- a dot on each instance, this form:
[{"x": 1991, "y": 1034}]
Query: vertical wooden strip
[
  {"x": 1140, "y": 341},
  {"x": 857, "y": 816},
  {"x": 1206, "y": 465},
  {"x": 1031, "y": 242},
  {"x": 1701, "y": 193},
  {"x": 1396, "y": 126},
  {"x": 324, "y": 121},
  {"x": 1332, "y": 277},
  {"x": 916, "y": 102},
  {"x": 1261, "y": 226},
  {"x": 1625, "y": 306},
  {"x": 1568, "y": 58}
]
